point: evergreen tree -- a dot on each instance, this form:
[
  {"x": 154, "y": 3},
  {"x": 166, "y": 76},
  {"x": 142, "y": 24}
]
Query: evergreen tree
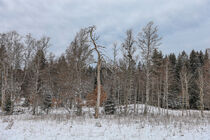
[
  {"x": 173, "y": 82},
  {"x": 182, "y": 61},
  {"x": 194, "y": 90},
  {"x": 110, "y": 104},
  {"x": 201, "y": 58},
  {"x": 157, "y": 64}
]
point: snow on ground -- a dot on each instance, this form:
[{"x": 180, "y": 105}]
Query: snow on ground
[{"x": 59, "y": 125}]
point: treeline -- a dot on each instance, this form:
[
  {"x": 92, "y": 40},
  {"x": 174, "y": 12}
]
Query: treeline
[{"x": 143, "y": 75}]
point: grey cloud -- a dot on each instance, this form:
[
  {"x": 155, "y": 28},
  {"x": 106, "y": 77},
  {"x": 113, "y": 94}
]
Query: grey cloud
[{"x": 183, "y": 24}]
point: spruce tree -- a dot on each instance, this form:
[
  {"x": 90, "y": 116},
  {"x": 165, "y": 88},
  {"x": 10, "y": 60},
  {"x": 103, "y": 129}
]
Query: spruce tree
[
  {"x": 194, "y": 90},
  {"x": 173, "y": 82},
  {"x": 110, "y": 104}
]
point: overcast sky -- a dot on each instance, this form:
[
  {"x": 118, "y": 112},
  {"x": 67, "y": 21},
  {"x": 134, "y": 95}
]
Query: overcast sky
[{"x": 183, "y": 24}]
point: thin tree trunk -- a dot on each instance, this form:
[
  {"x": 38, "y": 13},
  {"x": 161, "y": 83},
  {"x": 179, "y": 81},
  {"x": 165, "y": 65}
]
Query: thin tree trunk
[
  {"x": 147, "y": 92},
  {"x": 159, "y": 91},
  {"x": 201, "y": 86},
  {"x": 4, "y": 87},
  {"x": 187, "y": 94},
  {"x": 166, "y": 87},
  {"x": 183, "y": 94},
  {"x": 135, "y": 93},
  {"x": 98, "y": 88}
]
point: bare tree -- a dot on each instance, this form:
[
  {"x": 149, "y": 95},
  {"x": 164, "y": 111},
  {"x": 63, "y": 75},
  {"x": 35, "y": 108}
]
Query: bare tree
[
  {"x": 148, "y": 40},
  {"x": 128, "y": 48},
  {"x": 79, "y": 56},
  {"x": 115, "y": 71},
  {"x": 186, "y": 77},
  {"x": 11, "y": 66},
  {"x": 93, "y": 39},
  {"x": 39, "y": 70}
]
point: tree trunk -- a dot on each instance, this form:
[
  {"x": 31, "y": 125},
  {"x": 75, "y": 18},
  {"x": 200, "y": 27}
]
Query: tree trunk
[
  {"x": 135, "y": 94},
  {"x": 4, "y": 87},
  {"x": 159, "y": 92},
  {"x": 187, "y": 94},
  {"x": 166, "y": 87},
  {"x": 183, "y": 93},
  {"x": 98, "y": 87},
  {"x": 147, "y": 92}
]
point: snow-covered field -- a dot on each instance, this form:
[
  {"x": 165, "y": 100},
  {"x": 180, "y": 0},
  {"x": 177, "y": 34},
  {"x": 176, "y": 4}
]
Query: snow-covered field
[{"x": 59, "y": 125}]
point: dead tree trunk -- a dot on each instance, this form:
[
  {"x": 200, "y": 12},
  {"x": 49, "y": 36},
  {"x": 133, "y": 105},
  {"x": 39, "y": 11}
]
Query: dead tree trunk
[{"x": 93, "y": 40}]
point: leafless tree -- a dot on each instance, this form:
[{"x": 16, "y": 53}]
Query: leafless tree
[
  {"x": 186, "y": 77},
  {"x": 148, "y": 40},
  {"x": 12, "y": 66},
  {"x": 93, "y": 39},
  {"x": 79, "y": 56},
  {"x": 40, "y": 48},
  {"x": 128, "y": 48},
  {"x": 166, "y": 81}
]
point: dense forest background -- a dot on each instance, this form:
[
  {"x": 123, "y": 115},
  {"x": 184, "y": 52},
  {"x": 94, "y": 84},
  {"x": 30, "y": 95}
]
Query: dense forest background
[{"x": 136, "y": 73}]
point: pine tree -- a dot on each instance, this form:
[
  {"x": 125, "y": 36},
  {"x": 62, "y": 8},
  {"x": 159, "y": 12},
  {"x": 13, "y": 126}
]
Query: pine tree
[
  {"x": 173, "y": 82},
  {"x": 110, "y": 104},
  {"x": 182, "y": 61},
  {"x": 193, "y": 89},
  {"x": 157, "y": 63}
]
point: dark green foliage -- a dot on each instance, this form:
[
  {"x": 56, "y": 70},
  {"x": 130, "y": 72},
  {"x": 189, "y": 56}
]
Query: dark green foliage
[
  {"x": 157, "y": 60},
  {"x": 173, "y": 82},
  {"x": 110, "y": 104},
  {"x": 196, "y": 61},
  {"x": 182, "y": 61}
]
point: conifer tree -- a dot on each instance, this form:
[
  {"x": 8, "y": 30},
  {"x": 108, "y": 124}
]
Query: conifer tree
[
  {"x": 110, "y": 104},
  {"x": 194, "y": 90}
]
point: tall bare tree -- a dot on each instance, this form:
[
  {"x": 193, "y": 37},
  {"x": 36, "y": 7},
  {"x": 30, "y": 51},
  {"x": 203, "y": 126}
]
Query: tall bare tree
[
  {"x": 148, "y": 40},
  {"x": 79, "y": 56},
  {"x": 186, "y": 77},
  {"x": 128, "y": 48},
  {"x": 93, "y": 39}
]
